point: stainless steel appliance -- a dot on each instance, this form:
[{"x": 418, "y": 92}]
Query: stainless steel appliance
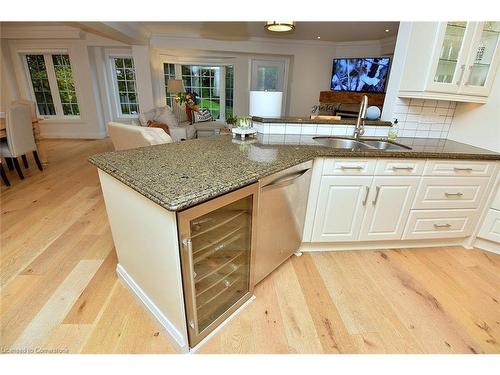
[
  {"x": 282, "y": 210},
  {"x": 217, "y": 239}
]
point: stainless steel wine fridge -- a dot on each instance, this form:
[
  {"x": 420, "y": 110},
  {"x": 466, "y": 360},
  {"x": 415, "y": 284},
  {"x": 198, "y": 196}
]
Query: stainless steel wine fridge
[{"x": 217, "y": 239}]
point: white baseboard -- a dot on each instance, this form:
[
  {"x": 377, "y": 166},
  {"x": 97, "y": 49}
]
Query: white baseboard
[
  {"x": 379, "y": 245},
  {"x": 490, "y": 246},
  {"x": 178, "y": 340},
  {"x": 211, "y": 334}
]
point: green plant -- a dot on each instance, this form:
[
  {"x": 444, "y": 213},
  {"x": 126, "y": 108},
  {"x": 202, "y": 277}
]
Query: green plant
[{"x": 232, "y": 120}]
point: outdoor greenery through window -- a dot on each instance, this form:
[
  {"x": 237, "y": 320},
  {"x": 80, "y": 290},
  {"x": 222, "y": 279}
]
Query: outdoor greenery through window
[
  {"x": 65, "y": 85},
  {"x": 40, "y": 83},
  {"x": 125, "y": 82},
  {"x": 212, "y": 84}
]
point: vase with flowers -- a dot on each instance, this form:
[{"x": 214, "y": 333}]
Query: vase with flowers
[{"x": 190, "y": 101}]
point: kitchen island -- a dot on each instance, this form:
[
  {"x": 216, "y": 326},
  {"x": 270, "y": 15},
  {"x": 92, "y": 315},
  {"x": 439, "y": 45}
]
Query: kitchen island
[{"x": 171, "y": 205}]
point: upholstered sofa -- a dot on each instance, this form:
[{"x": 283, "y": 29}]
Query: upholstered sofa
[{"x": 179, "y": 126}]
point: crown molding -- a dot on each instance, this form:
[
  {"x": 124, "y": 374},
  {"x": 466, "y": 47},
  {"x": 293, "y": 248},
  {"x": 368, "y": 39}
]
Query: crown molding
[{"x": 40, "y": 32}]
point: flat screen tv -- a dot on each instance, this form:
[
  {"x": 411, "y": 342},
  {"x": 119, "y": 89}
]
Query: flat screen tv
[{"x": 367, "y": 74}]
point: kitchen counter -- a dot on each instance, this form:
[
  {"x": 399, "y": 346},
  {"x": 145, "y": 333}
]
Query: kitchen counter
[
  {"x": 182, "y": 174},
  {"x": 307, "y": 120}
]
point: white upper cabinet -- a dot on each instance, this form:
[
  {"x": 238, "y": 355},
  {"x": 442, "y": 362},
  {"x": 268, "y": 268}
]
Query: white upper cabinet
[{"x": 451, "y": 61}]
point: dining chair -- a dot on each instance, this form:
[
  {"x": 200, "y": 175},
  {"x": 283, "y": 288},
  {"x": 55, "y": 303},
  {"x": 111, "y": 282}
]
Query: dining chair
[
  {"x": 20, "y": 139},
  {"x": 34, "y": 117},
  {"x": 4, "y": 176}
]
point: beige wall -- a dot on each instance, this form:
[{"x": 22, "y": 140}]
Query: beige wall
[
  {"x": 309, "y": 69},
  {"x": 479, "y": 124}
]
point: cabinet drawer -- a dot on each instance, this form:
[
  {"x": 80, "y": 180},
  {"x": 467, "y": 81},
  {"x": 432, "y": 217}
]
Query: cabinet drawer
[
  {"x": 430, "y": 224},
  {"x": 458, "y": 168},
  {"x": 402, "y": 167},
  {"x": 447, "y": 192},
  {"x": 490, "y": 229},
  {"x": 349, "y": 167}
]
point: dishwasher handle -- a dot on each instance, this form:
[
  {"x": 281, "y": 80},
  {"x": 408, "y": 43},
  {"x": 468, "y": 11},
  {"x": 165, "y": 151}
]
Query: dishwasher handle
[{"x": 285, "y": 180}]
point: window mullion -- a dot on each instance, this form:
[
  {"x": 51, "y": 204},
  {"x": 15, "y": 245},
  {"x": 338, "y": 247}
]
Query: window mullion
[
  {"x": 222, "y": 93},
  {"x": 51, "y": 75}
]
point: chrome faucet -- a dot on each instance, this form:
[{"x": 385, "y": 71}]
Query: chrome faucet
[{"x": 359, "y": 129}]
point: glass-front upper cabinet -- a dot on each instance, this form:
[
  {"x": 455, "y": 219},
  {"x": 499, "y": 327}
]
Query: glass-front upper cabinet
[
  {"x": 483, "y": 59},
  {"x": 449, "y": 67}
]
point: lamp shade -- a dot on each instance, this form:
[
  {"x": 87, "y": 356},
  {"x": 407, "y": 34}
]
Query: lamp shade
[
  {"x": 175, "y": 85},
  {"x": 265, "y": 103}
]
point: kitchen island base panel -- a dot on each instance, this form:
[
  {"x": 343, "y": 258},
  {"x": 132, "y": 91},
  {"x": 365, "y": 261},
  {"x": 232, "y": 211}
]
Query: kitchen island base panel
[
  {"x": 176, "y": 338},
  {"x": 147, "y": 247}
]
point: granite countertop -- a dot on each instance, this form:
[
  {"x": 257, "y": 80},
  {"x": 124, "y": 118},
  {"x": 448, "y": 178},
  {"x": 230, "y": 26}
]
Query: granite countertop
[
  {"x": 307, "y": 120},
  {"x": 182, "y": 174}
]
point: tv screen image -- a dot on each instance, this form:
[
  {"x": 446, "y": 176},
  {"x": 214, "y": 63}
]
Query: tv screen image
[{"x": 360, "y": 75}]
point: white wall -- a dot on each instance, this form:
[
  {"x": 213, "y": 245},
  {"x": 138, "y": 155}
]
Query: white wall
[
  {"x": 479, "y": 124},
  {"x": 309, "y": 70}
]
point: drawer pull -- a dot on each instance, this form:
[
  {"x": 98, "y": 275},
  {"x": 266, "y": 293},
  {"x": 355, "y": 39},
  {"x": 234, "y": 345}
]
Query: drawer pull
[
  {"x": 358, "y": 167},
  {"x": 402, "y": 168},
  {"x": 442, "y": 225},
  {"x": 463, "y": 169},
  {"x": 377, "y": 191},
  {"x": 453, "y": 194},
  {"x": 366, "y": 195}
]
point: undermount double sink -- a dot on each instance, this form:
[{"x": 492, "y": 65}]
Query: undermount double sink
[{"x": 360, "y": 144}]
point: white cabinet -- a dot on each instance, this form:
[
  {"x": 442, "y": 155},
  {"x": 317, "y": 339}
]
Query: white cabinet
[
  {"x": 451, "y": 60},
  {"x": 490, "y": 229},
  {"x": 388, "y": 207},
  {"x": 340, "y": 208},
  {"x": 430, "y": 224}
]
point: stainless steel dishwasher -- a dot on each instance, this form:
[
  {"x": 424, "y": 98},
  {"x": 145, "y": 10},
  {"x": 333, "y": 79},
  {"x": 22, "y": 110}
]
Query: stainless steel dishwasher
[{"x": 281, "y": 215}]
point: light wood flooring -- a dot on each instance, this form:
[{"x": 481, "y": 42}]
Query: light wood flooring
[{"x": 60, "y": 290}]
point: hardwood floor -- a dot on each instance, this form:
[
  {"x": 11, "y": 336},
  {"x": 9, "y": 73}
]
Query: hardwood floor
[{"x": 60, "y": 291}]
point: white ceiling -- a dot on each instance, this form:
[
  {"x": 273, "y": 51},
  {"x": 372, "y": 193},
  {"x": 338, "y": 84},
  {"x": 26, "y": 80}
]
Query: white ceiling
[{"x": 328, "y": 31}]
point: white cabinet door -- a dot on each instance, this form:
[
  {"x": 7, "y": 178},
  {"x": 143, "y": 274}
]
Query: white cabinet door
[
  {"x": 491, "y": 226},
  {"x": 388, "y": 207},
  {"x": 450, "y": 56},
  {"x": 340, "y": 208},
  {"x": 483, "y": 60}
]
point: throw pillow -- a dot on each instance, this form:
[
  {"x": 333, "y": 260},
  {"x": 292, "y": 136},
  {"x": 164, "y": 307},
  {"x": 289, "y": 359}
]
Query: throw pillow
[
  {"x": 179, "y": 112},
  {"x": 157, "y": 124},
  {"x": 203, "y": 115},
  {"x": 166, "y": 116}
]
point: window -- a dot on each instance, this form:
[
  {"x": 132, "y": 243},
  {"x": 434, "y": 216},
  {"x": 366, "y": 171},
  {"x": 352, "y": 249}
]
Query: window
[
  {"x": 65, "y": 85},
  {"x": 169, "y": 72},
  {"x": 124, "y": 73},
  {"x": 212, "y": 84},
  {"x": 268, "y": 75},
  {"x": 55, "y": 94}
]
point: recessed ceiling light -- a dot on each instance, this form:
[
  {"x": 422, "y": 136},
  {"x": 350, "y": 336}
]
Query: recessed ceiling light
[
  {"x": 318, "y": 37},
  {"x": 386, "y": 30}
]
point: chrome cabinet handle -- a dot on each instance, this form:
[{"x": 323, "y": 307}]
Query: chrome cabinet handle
[
  {"x": 402, "y": 168},
  {"x": 462, "y": 68},
  {"x": 188, "y": 247},
  {"x": 462, "y": 169},
  {"x": 442, "y": 225},
  {"x": 366, "y": 195},
  {"x": 285, "y": 180},
  {"x": 453, "y": 194},
  {"x": 358, "y": 167},
  {"x": 377, "y": 191}
]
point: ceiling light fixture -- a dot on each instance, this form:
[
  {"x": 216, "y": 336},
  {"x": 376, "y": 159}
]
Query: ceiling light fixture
[
  {"x": 280, "y": 26},
  {"x": 386, "y": 30},
  {"x": 318, "y": 37}
]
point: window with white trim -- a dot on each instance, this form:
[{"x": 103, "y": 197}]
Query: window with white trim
[
  {"x": 213, "y": 85},
  {"x": 125, "y": 86},
  {"x": 52, "y": 84}
]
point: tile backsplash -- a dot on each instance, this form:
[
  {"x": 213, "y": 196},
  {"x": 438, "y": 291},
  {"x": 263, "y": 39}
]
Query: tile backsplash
[{"x": 424, "y": 118}]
